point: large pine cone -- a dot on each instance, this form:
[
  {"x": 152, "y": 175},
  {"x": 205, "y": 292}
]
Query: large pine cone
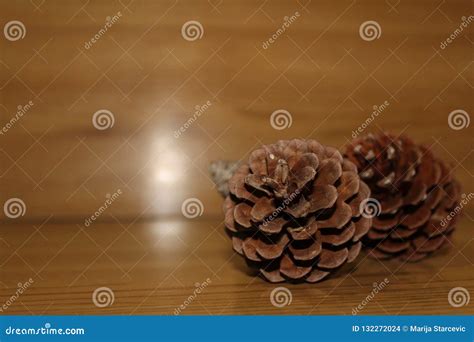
[
  {"x": 414, "y": 190},
  {"x": 293, "y": 211}
]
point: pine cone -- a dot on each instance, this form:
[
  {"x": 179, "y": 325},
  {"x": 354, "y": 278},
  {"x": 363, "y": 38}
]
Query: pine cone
[
  {"x": 414, "y": 190},
  {"x": 293, "y": 211}
]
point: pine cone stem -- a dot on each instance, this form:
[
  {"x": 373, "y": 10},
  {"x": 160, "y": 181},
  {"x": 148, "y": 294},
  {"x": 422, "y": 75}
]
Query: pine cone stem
[{"x": 221, "y": 171}]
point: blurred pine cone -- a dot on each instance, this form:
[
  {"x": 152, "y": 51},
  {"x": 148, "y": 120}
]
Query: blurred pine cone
[
  {"x": 293, "y": 211},
  {"x": 414, "y": 191}
]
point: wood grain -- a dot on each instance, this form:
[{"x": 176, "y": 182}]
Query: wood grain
[{"x": 151, "y": 79}]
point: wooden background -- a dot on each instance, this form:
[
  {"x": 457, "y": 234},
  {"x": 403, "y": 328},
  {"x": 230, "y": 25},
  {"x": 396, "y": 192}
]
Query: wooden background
[{"x": 151, "y": 79}]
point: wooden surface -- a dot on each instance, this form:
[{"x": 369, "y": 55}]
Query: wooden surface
[{"x": 144, "y": 72}]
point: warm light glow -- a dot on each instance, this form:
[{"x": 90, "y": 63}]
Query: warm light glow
[
  {"x": 169, "y": 236},
  {"x": 168, "y": 171},
  {"x": 165, "y": 175},
  {"x": 169, "y": 163}
]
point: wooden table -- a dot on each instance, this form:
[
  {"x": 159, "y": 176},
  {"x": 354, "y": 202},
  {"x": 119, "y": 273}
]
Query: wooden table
[{"x": 148, "y": 79}]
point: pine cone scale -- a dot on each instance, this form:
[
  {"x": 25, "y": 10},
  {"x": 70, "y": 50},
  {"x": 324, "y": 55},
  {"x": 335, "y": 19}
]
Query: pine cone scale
[
  {"x": 362, "y": 227},
  {"x": 354, "y": 251},
  {"x": 332, "y": 259}
]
